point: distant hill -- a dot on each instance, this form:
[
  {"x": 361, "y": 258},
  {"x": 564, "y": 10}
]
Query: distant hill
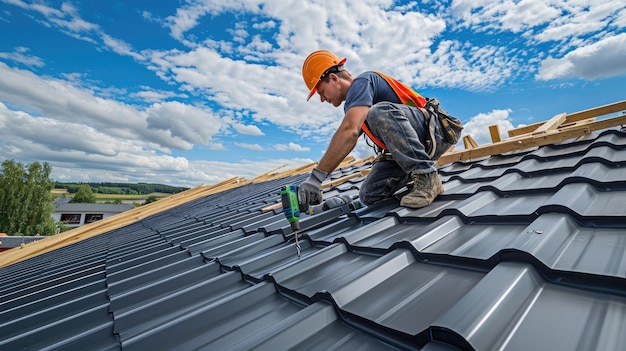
[{"x": 122, "y": 188}]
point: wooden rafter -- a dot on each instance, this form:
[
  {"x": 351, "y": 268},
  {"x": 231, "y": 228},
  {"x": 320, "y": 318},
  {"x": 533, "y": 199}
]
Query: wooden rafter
[
  {"x": 574, "y": 117},
  {"x": 551, "y": 124},
  {"x": 469, "y": 142},
  {"x": 533, "y": 140},
  {"x": 494, "y": 131}
]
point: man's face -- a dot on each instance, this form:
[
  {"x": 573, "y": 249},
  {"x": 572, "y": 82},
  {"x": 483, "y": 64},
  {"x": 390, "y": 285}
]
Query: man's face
[{"x": 330, "y": 91}]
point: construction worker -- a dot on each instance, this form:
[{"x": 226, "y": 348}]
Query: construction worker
[{"x": 393, "y": 117}]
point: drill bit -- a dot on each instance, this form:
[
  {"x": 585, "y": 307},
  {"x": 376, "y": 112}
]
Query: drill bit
[{"x": 297, "y": 244}]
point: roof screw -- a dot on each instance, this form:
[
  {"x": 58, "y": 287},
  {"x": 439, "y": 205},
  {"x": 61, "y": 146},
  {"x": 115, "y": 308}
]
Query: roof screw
[{"x": 539, "y": 231}]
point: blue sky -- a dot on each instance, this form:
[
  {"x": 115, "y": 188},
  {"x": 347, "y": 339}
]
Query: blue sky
[{"x": 194, "y": 92}]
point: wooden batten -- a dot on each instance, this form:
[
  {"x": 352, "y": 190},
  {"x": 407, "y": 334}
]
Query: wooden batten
[
  {"x": 532, "y": 140},
  {"x": 551, "y": 124},
  {"x": 469, "y": 142},
  {"x": 574, "y": 117},
  {"x": 494, "y": 132}
]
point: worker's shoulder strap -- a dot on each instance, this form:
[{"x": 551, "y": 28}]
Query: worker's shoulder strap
[{"x": 407, "y": 95}]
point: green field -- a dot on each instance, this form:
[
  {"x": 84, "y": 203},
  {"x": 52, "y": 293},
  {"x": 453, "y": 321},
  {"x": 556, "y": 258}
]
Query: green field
[
  {"x": 129, "y": 197},
  {"x": 112, "y": 197}
]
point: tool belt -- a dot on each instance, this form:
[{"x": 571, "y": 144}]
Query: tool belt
[
  {"x": 383, "y": 155},
  {"x": 450, "y": 127}
]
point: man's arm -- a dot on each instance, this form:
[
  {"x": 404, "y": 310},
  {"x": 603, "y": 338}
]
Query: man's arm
[
  {"x": 342, "y": 142},
  {"x": 345, "y": 138}
]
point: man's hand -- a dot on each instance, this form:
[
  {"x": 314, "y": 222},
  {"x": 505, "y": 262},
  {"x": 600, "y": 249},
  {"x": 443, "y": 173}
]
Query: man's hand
[{"x": 310, "y": 191}]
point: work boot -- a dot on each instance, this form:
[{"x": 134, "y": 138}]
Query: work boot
[{"x": 426, "y": 187}]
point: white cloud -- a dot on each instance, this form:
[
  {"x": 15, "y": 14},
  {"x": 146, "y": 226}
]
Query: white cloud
[
  {"x": 153, "y": 95},
  {"x": 366, "y": 28},
  {"x": 250, "y": 146},
  {"x": 191, "y": 124},
  {"x": 120, "y": 47},
  {"x": 514, "y": 16},
  {"x": 538, "y": 20},
  {"x": 264, "y": 25},
  {"x": 620, "y": 19},
  {"x": 291, "y": 147},
  {"x": 461, "y": 65},
  {"x": 169, "y": 124},
  {"x": 247, "y": 129},
  {"x": 69, "y": 144},
  {"x": 69, "y": 21},
  {"x": 97, "y": 156},
  {"x": 41, "y": 8},
  {"x": 478, "y": 126},
  {"x": 19, "y": 129},
  {"x": 602, "y": 59},
  {"x": 20, "y": 56},
  {"x": 216, "y": 146}
]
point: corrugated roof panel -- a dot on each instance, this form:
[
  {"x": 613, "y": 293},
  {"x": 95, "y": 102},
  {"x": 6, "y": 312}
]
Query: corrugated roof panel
[
  {"x": 317, "y": 327},
  {"x": 215, "y": 248},
  {"x": 321, "y": 270},
  {"x": 177, "y": 305},
  {"x": 138, "y": 295},
  {"x": 404, "y": 294},
  {"x": 146, "y": 277},
  {"x": 514, "y": 308},
  {"x": 254, "y": 248},
  {"x": 86, "y": 328},
  {"x": 523, "y": 251},
  {"x": 224, "y": 322},
  {"x": 267, "y": 262}
]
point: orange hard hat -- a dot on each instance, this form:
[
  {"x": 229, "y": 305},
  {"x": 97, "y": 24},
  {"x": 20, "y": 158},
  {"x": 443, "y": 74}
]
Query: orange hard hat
[{"x": 315, "y": 65}]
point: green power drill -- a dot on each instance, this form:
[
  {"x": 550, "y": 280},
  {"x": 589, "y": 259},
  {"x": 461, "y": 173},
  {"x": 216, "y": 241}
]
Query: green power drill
[
  {"x": 291, "y": 208},
  {"x": 289, "y": 199}
]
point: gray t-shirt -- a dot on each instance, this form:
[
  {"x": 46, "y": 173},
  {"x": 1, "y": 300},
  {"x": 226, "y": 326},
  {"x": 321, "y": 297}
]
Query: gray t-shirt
[{"x": 367, "y": 89}]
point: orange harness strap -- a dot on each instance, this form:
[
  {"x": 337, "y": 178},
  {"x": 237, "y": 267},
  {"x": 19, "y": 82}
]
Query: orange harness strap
[
  {"x": 407, "y": 95},
  {"x": 372, "y": 137}
]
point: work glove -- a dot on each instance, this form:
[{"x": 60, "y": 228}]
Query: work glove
[
  {"x": 336, "y": 201},
  {"x": 330, "y": 203},
  {"x": 310, "y": 191}
]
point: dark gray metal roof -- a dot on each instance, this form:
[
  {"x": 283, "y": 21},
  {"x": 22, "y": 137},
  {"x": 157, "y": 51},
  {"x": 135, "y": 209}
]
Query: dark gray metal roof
[
  {"x": 8, "y": 242},
  {"x": 523, "y": 251}
]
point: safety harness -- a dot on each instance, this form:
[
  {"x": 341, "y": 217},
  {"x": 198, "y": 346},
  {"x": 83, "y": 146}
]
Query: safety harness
[{"x": 409, "y": 97}]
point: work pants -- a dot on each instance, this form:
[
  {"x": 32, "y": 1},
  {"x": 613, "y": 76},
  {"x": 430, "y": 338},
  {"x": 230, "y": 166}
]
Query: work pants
[{"x": 403, "y": 129}]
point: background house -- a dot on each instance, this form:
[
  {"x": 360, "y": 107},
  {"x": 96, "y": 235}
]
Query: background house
[{"x": 77, "y": 214}]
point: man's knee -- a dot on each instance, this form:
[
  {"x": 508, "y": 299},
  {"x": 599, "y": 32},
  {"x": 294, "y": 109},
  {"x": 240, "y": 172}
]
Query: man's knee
[
  {"x": 366, "y": 199},
  {"x": 382, "y": 187}
]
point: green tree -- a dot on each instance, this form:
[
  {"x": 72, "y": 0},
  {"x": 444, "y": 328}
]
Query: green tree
[
  {"x": 25, "y": 200},
  {"x": 84, "y": 195},
  {"x": 62, "y": 227},
  {"x": 150, "y": 199}
]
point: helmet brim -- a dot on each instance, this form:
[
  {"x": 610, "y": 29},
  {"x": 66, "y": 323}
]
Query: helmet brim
[{"x": 312, "y": 92}]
